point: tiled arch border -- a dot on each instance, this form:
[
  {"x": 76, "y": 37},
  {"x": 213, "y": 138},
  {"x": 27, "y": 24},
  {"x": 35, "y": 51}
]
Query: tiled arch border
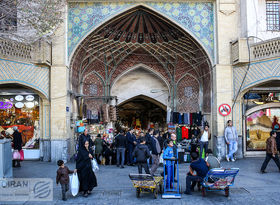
[{"x": 210, "y": 53}]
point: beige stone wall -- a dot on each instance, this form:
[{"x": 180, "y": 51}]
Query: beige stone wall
[
  {"x": 227, "y": 18},
  {"x": 59, "y": 78}
]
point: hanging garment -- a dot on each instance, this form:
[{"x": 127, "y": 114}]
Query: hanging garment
[
  {"x": 191, "y": 119},
  {"x": 176, "y": 117},
  {"x": 180, "y": 118},
  {"x": 185, "y": 133},
  {"x": 186, "y": 118},
  {"x": 168, "y": 115},
  {"x": 179, "y": 133}
]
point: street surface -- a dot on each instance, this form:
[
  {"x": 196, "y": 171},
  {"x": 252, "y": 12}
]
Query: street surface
[{"x": 114, "y": 186}]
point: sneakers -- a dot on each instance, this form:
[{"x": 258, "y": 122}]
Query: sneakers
[
  {"x": 233, "y": 160},
  {"x": 263, "y": 171},
  {"x": 227, "y": 158}
]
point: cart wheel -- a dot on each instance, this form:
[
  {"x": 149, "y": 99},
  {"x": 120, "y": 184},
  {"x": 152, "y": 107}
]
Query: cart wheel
[
  {"x": 227, "y": 191},
  {"x": 203, "y": 191},
  {"x": 137, "y": 192},
  {"x": 155, "y": 193}
]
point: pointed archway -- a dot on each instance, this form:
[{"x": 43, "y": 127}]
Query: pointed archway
[
  {"x": 142, "y": 112},
  {"x": 143, "y": 36}
]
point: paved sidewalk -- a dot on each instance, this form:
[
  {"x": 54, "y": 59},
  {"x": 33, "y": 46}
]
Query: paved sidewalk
[{"x": 114, "y": 186}]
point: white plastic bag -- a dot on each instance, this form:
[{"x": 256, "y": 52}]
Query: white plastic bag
[
  {"x": 75, "y": 184},
  {"x": 161, "y": 158},
  {"x": 94, "y": 164}
]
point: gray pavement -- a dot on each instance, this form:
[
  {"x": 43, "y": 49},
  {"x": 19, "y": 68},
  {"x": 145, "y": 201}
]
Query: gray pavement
[{"x": 114, "y": 186}]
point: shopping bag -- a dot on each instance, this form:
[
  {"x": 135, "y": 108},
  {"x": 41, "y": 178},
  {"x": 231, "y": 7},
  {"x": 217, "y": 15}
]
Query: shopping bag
[
  {"x": 94, "y": 164},
  {"x": 16, "y": 155},
  {"x": 161, "y": 158},
  {"x": 75, "y": 184},
  {"x": 21, "y": 155}
]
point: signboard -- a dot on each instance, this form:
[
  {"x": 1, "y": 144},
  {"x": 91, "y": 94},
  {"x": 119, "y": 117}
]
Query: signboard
[{"x": 224, "y": 109}]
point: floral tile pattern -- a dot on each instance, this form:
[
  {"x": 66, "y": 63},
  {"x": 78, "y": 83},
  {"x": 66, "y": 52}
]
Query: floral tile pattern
[{"x": 196, "y": 18}]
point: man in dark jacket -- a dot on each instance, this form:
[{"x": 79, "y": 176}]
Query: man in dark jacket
[
  {"x": 131, "y": 143},
  {"x": 17, "y": 141},
  {"x": 156, "y": 150},
  {"x": 142, "y": 153},
  {"x": 121, "y": 144},
  {"x": 271, "y": 152},
  {"x": 149, "y": 138}
]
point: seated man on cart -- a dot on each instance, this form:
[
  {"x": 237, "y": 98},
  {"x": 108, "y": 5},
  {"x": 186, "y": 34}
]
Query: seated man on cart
[{"x": 200, "y": 167}]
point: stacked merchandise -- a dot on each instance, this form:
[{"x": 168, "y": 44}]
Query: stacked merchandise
[
  {"x": 105, "y": 113},
  {"x": 113, "y": 113}
]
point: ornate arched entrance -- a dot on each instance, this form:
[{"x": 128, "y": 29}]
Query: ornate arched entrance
[{"x": 142, "y": 36}]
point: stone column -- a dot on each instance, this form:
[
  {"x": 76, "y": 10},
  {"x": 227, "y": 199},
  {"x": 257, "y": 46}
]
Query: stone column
[
  {"x": 227, "y": 22},
  {"x": 45, "y": 141},
  {"x": 58, "y": 89}
]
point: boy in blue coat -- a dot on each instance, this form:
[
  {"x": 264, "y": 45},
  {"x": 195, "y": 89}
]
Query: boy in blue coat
[{"x": 168, "y": 154}]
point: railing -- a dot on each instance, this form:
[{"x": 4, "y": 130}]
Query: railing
[
  {"x": 15, "y": 51},
  {"x": 265, "y": 49},
  {"x": 37, "y": 53}
]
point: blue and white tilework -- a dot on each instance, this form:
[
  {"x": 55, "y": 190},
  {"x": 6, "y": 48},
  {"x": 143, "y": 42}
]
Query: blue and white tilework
[{"x": 196, "y": 18}]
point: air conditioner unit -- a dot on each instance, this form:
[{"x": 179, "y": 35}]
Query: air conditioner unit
[
  {"x": 239, "y": 51},
  {"x": 42, "y": 53}
]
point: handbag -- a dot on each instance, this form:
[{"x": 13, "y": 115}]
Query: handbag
[
  {"x": 21, "y": 155},
  {"x": 94, "y": 165},
  {"x": 16, "y": 155},
  {"x": 75, "y": 184}
]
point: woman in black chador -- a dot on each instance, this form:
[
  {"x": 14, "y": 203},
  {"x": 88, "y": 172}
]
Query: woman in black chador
[{"x": 83, "y": 165}]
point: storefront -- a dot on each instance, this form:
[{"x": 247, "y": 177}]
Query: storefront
[
  {"x": 262, "y": 114},
  {"x": 21, "y": 107}
]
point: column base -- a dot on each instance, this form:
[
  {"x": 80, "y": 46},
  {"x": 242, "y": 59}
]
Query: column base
[{"x": 59, "y": 150}]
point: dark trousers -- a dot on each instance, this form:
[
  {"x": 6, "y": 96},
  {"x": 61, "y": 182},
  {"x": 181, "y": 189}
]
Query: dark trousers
[
  {"x": 189, "y": 180},
  {"x": 16, "y": 163},
  {"x": 145, "y": 166},
  {"x": 97, "y": 157},
  {"x": 268, "y": 158},
  {"x": 129, "y": 155},
  {"x": 203, "y": 145},
  {"x": 64, "y": 189},
  {"x": 120, "y": 153},
  {"x": 170, "y": 176}
]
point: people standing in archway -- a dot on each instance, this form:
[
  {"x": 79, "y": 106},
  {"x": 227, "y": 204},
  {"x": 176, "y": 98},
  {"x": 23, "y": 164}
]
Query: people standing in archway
[
  {"x": 86, "y": 175},
  {"x": 156, "y": 151},
  {"x": 149, "y": 138},
  {"x": 204, "y": 140},
  {"x": 271, "y": 152},
  {"x": 121, "y": 144},
  {"x": 98, "y": 142},
  {"x": 85, "y": 137},
  {"x": 17, "y": 141},
  {"x": 131, "y": 143},
  {"x": 231, "y": 138}
]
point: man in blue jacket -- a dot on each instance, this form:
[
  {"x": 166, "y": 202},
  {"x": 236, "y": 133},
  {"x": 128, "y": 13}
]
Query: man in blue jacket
[{"x": 131, "y": 143}]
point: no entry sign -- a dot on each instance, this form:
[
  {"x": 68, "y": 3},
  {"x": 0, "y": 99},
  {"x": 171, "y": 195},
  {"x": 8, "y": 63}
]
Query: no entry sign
[{"x": 224, "y": 109}]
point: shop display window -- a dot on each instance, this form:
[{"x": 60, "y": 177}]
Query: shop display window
[
  {"x": 21, "y": 111},
  {"x": 259, "y": 124}
]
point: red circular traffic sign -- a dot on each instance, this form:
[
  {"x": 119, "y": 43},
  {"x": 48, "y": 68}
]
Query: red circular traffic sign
[{"x": 224, "y": 109}]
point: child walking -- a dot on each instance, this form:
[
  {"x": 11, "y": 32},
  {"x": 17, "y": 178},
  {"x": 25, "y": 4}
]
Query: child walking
[
  {"x": 142, "y": 153},
  {"x": 62, "y": 177},
  {"x": 168, "y": 154}
]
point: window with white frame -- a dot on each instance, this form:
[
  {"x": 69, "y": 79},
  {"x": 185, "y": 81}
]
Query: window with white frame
[{"x": 273, "y": 15}]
